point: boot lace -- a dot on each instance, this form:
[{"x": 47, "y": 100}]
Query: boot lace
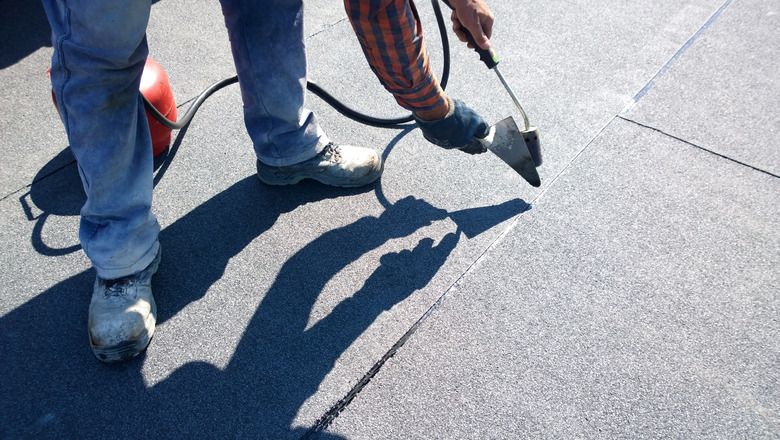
[
  {"x": 117, "y": 287},
  {"x": 332, "y": 150}
]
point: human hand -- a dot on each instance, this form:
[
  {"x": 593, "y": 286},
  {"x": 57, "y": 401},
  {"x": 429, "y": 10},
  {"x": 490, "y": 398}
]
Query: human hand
[
  {"x": 460, "y": 129},
  {"x": 474, "y": 16}
]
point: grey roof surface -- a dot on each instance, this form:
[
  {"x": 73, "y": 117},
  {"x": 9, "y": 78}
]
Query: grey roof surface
[{"x": 635, "y": 294}]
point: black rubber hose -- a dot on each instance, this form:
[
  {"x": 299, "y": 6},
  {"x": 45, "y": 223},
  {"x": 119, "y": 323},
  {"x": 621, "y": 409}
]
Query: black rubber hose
[
  {"x": 184, "y": 120},
  {"x": 315, "y": 89}
]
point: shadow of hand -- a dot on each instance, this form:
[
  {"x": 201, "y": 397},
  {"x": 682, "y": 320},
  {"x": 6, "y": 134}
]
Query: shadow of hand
[
  {"x": 402, "y": 273},
  {"x": 408, "y": 215}
]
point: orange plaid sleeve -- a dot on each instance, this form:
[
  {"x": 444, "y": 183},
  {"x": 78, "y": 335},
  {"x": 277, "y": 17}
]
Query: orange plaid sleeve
[{"x": 390, "y": 34}]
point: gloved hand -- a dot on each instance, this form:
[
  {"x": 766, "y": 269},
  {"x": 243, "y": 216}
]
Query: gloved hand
[{"x": 457, "y": 129}]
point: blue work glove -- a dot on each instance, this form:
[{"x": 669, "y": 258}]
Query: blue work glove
[{"x": 456, "y": 130}]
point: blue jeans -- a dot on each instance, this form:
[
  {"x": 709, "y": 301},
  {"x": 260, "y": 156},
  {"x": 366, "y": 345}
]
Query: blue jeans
[{"x": 99, "y": 53}]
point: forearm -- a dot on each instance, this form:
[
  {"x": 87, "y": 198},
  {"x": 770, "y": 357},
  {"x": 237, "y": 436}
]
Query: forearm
[{"x": 390, "y": 34}]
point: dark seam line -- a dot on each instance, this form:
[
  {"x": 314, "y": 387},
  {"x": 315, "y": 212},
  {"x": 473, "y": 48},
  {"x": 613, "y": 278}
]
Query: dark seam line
[
  {"x": 326, "y": 28},
  {"x": 674, "y": 59},
  {"x": 698, "y": 146},
  {"x": 182, "y": 104},
  {"x": 38, "y": 179}
]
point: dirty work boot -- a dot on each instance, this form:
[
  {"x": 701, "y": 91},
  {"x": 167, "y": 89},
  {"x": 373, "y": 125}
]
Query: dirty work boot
[
  {"x": 336, "y": 165},
  {"x": 122, "y": 315}
]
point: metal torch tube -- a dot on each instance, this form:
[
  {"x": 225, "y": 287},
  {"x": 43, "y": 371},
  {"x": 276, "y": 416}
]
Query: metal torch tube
[{"x": 514, "y": 98}]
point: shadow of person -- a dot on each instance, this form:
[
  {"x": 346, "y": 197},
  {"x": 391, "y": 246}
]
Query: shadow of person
[
  {"x": 45, "y": 338},
  {"x": 279, "y": 363},
  {"x": 52, "y": 385}
]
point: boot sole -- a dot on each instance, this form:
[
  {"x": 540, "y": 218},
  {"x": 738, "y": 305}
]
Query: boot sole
[{"x": 124, "y": 351}]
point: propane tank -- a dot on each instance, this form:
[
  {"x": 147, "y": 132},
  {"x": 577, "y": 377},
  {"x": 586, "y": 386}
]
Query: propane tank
[{"x": 156, "y": 88}]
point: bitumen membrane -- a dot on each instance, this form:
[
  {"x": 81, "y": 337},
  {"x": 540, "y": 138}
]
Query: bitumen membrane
[{"x": 635, "y": 294}]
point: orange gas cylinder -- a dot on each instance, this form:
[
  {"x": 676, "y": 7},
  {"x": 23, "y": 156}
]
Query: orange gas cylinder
[{"x": 156, "y": 88}]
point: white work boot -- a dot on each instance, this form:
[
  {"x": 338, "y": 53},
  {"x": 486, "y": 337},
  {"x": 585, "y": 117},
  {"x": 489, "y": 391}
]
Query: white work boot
[
  {"x": 336, "y": 165},
  {"x": 122, "y": 315}
]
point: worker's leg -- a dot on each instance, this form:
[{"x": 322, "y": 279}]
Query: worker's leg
[
  {"x": 267, "y": 39},
  {"x": 269, "y": 53},
  {"x": 99, "y": 54}
]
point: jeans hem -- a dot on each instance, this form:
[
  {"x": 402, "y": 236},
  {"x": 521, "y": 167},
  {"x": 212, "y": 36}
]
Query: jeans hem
[
  {"x": 298, "y": 158},
  {"x": 141, "y": 264}
]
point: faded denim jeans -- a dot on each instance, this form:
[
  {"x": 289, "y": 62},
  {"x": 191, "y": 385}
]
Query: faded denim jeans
[{"x": 99, "y": 53}]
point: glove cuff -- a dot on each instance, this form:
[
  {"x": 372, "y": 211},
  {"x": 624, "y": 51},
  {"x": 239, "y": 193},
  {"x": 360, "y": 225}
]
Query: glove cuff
[
  {"x": 450, "y": 112},
  {"x": 457, "y": 129},
  {"x": 435, "y": 131}
]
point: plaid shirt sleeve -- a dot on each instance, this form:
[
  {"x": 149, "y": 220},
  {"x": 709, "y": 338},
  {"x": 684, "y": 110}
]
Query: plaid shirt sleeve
[{"x": 391, "y": 36}]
